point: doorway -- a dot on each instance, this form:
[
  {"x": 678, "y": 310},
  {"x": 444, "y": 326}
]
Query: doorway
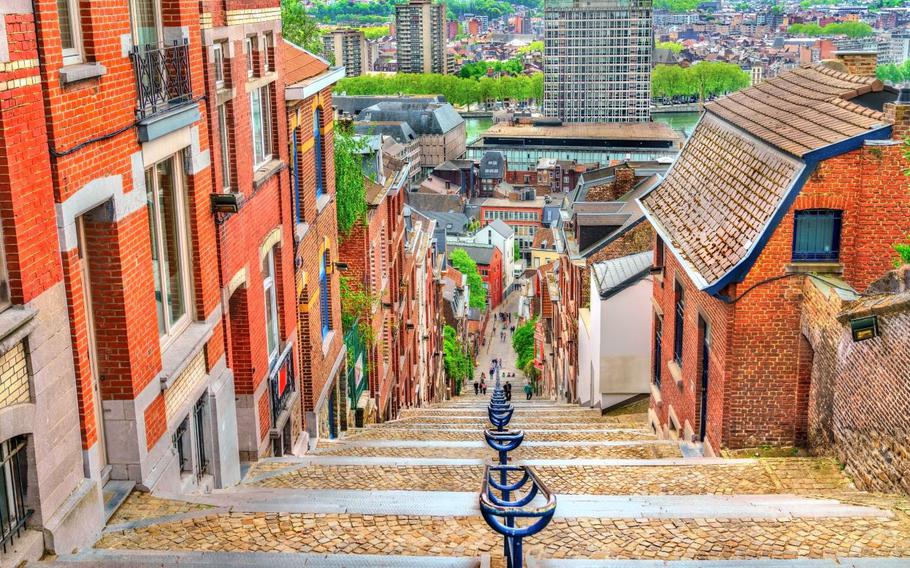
[
  {"x": 91, "y": 339},
  {"x": 704, "y": 334}
]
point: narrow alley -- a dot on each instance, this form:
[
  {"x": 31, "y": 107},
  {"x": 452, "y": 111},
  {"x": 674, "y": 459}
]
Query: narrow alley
[{"x": 404, "y": 493}]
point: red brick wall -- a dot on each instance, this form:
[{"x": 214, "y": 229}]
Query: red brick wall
[{"x": 155, "y": 421}]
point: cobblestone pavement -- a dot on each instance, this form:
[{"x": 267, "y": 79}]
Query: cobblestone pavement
[
  {"x": 434, "y": 450},
  {"x": 642, "y": 451}
]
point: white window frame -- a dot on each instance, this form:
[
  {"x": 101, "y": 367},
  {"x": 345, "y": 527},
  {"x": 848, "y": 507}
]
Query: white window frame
[
  {"x": 268, "y": 44},
  {"x": 270, "y": 296},
  {"x": 218, "y": 62},
  {"x": 73, "y": 54},
  {"x": 264, "y": 127},
  {"x": 159, "y": 27},
  {"x": 5, "y": 292},
  {"x": 171, "y": 331},
  {"x": 248, "y": 47},
  {"x": 223, "y": 135}
]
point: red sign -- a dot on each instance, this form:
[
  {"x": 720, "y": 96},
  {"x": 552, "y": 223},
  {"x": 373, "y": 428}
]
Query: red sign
[{"x": 282, "y": 379}]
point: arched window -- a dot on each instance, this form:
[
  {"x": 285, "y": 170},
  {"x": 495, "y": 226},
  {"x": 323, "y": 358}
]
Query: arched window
[{"x": 317, "y": 147}]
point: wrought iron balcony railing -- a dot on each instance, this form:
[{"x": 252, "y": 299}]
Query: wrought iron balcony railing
[
  {"x": 162, "y": 76},
  {"x": 281, "y": 382}
]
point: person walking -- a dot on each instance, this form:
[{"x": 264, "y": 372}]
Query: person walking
[
  {"x": 528, "y": 391},
  {"x": 508, "y": 389},
  {"x": 483, "y": 386},
  {"x": 476, "y": 388}
]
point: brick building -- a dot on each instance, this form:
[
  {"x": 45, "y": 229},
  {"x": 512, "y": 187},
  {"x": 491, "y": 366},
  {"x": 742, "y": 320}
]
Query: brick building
[
  {"x": 374, "y": 254},
  {"x": 489, "y": 264},
  {"x": 312, "y": 167},
  {"x": 815, "y": 186},
  {"x": 524, "y": 216}
]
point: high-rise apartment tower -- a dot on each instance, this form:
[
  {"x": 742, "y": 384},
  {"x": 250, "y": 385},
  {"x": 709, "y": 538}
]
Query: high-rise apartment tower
[
  {"x": 421, "y": 29},
  {"x": 597, "y": 60},
  {"x": 347, "y": 48}
]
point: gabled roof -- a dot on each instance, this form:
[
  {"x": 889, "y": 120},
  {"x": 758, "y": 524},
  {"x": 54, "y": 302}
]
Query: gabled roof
[
  {"x": 747, "y": 160},
  {"x": 613, "y": 276},
  {"x": 481, "y": 254},
  {"x": 492, "y": 165},
  {"x": 300, "y": 64},
  {"x": 502, "y": 228}
]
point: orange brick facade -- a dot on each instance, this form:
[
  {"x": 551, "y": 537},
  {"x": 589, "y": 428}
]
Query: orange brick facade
[{"x": 759, "y": 366}]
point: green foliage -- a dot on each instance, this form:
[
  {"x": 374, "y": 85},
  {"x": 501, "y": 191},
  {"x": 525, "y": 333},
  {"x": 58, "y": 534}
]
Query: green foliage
[
  {"x": 892, "y": 73},
  {"x": 849, "y": 29},
  {"x": 351, "y": 196},
  {"x": 903, "y": 253},
  {"x": 457, "y": 90},
  {"x": 357, "y": 306},
  {"x": 805, "y": 4},
  {"x": 704, "y": 79},
  {"x": 877, "y": 5},
  {"x": 677, "y": 6},
  {"x": 742, "y": 7},
  {"x": 463, "y": 263},
  {"x": 375, "y": 32},
  {"x": 298, "y": 27},
  {"x": 534, "y": 46},
  {"x": 373, "y": 12},
  {"x": 459, "y": 367},
  {"x": 673, "y": 46},
  {"x": 479, "y": 69},
  {"x": 517, "y": 253},
  {"x": 523, "y": 343}
]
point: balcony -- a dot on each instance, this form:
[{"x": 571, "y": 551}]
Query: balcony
[{"x": 165, "y": 97}]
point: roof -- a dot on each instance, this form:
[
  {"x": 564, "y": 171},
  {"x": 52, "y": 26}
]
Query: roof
[
  {"x": 613, "y": 276},
  {"x": 400, "y": 131},
  {"x": 427, "y": 202},
  {"x": 423, "y": 118},
  {"x": 353, "y": 104},
  {"x": 453, "y": 222},
  {"x": 544, "y": 237},
  {"x": 501, "y": 227},
  {"x": 746, "y": 161},
  {"x": 481, "y": 254},
  {"x": 596, "y": 130},
  {"x": 802, "y": 110},
  {"x": 492, "y": 165},
  {"x": 502, "y": 202},
  {"x": 300, "y": 64}
]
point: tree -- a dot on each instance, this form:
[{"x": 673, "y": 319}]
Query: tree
[
  {"x": 704, "y": 79},
  {"x": 350, "y": 190},
  {"x": 673, "y": 46},
  {"x": 457, "y": 90},
  {"x": 517, "y": 252},
  {"x": 298, "y": 27},
  {"x": 894, "y": 74},
  {"x": 849, "y": 29},
  {"x": 463, "y": 263},
  {"x": 523, "y": 343},
  {"x": 458, "y": 365}
]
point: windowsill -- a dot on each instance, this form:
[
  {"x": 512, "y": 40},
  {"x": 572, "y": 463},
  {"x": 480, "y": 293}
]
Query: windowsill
[
  {"x": 655, "y": 394},
  {"x": 81, "y": 72},
  {"x": 181, "y": 351},
  {"x": 659, "y": 276},
  {"x": 675, "y": 372},
  {"x": 300, "y": 231},
  {"x": 266, "y": 171},
  {"x": 814, "y": 268},
  {"x": 224, "y": 94},
  {"x": 327, "y": 343},
  {"x": 253, "y": 82},
  {"x": 15, "y": 324},
  {"x": 322, "y": 202}
]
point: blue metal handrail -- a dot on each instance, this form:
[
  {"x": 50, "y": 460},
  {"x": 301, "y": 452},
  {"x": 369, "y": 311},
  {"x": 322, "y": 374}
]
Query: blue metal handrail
[
  {"x": 503, "y": 442},
  {"x": 493, "y": 508}
]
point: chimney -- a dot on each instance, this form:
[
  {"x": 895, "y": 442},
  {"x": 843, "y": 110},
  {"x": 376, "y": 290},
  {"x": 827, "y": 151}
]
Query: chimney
[
  {"x": 898, "y": 114},
  {"x": 860, "y": 63}
]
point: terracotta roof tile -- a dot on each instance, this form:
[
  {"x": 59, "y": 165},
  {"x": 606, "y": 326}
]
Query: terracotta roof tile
[
  {"x": 300, "y": 64},
  {"x": 802, "y": 110},
  {"x": 719, "y": 196}
]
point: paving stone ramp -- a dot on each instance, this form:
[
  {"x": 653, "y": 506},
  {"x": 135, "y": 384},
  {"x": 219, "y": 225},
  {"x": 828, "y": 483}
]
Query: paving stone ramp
[{"x": 404, "y": 493}]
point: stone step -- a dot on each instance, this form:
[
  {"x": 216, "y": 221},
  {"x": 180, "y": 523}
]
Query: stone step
[
  {"x": 536, "y": 434},
  {"x": 838, "y": 562},
  {"x": 542, "y": 425},
  {"x": 118, "y": 558},
  {"x": 528, "y": 450}
]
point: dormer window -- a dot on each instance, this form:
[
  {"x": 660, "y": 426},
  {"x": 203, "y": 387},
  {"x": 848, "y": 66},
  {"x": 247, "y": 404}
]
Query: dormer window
[{"x": 816, "y": 235}]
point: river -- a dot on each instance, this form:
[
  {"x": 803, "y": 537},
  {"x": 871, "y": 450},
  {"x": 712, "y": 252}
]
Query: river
[{"x": 684, "y": 121}]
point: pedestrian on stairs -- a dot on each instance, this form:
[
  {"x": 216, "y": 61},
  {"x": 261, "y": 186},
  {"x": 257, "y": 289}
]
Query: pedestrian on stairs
[
  {"x": 483, "y": 386},
  {"x": 476, "y": 388},
  {"x": 528, "y": 391},
  {"x": 508, "y": 388}
]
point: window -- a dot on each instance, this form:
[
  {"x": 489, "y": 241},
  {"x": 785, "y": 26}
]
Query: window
[
  {"x": 658, "y": 347},
  {"x": 70, "y": 31},
  {"x": 182, "y": 445},
  {"x": 317, "y": 148},
  {"x": 202, "y": 463},
  {"x": 167, "y": 228},
  {"x": 223, "y": 134},
  {"x": 261, "y": 113},
  {"x": 659, "y": 254},
  {"x": 249, "y": 46},
  {"x": 146, "y": 22},
  {"x": 817, "y": 235},
  {"x": 324, "y": 301},
  {"x": 267, "y": 45},
  {"x": 678, "y": 325},
  {"x": 295, "y": 173},
  {"x": 271, "y": 304},
  {"x": 13, "y": 489},
  {"x": 218, "y": 62}
]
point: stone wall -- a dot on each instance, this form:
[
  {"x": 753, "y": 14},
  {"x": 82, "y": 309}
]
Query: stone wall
[{"x": 861, "y": 390}]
